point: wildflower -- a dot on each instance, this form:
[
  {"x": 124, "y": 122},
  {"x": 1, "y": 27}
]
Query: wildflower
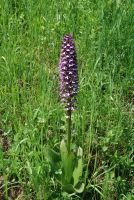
[{"x": 68, "y": 73}]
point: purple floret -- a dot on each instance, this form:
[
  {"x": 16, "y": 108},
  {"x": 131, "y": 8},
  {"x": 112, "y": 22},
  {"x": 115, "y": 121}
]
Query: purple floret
[{"x": 68, "y": 73}]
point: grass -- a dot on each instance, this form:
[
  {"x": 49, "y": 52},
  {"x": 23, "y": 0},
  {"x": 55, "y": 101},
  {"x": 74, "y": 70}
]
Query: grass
[{"x": 31, "y": 114}]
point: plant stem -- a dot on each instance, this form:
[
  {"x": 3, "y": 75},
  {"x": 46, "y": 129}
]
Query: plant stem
[{"x": 69, "y": 131}]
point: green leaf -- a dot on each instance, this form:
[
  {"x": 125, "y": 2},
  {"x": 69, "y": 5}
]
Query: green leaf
[
  {"x": 69, "y": 188},
  {"x": 80, "y": 189},
  {"x": 54, "y": 159},
  {"x": 67, "y": 163},
  {"x": 77, "y": 173},
  {"x": 52, "y": 155},
  {"x": 64, "y": 154}
]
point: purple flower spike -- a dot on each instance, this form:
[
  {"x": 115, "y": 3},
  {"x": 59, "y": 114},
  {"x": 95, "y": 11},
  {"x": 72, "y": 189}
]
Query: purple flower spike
[{"x": 68, "y": 73}]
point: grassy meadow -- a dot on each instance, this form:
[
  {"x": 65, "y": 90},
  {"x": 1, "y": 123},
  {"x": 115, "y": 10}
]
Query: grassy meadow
[{"x": 31, "y": 114}]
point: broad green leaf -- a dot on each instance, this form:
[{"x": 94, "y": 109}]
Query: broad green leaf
[
  {"x": 66, "y": 163},
  {"x": 54, "y": 159},
  {"x": 52, "y": 155},
  {"x": 77, "y": 173},
  {"x": 64, "y": 154},
  {"x": 69, "y": 169},
  {"x": 69, "y": 188},
  {"x": 80, "y": 189}
]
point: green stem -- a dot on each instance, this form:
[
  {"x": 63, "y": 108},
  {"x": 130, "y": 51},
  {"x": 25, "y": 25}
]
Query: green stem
[{"x": 69, "y": 131}]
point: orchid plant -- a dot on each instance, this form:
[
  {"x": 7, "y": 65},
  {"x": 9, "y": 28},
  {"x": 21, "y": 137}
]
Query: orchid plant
[{"x": 66, "y": 165}]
